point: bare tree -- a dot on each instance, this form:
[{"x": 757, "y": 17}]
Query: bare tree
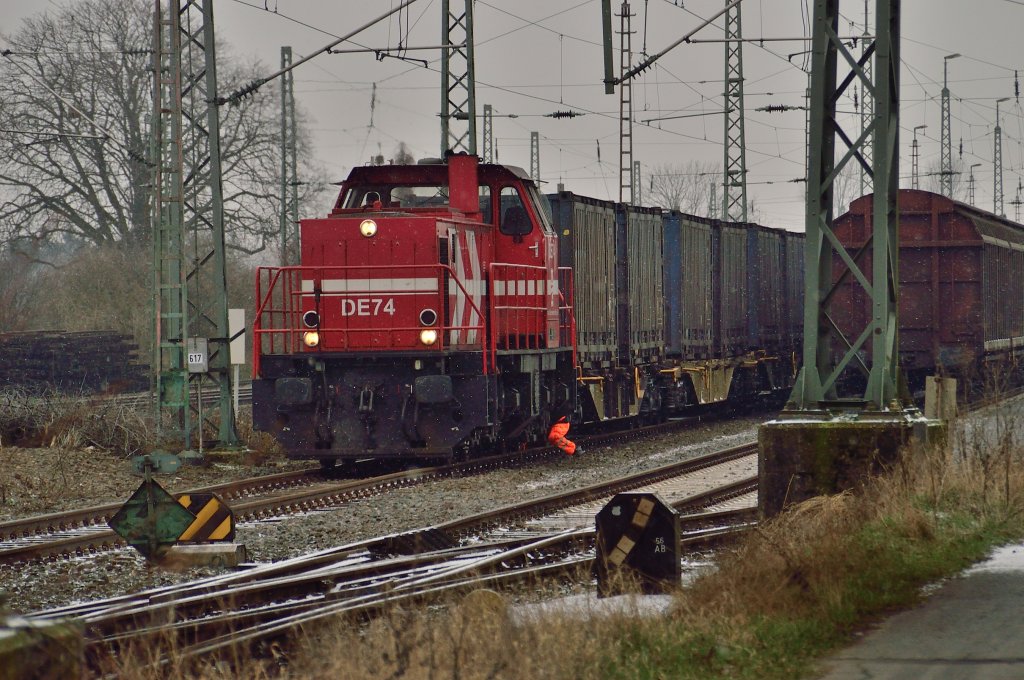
[
  {"x": 75, "y": 105},
  {"x": 684, "y": 187},
  {"x": 846, "y": 187}
]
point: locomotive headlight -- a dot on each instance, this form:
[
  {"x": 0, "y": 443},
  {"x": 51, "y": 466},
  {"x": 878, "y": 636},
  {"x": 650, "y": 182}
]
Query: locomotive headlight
[
  {"x": 311, "y": 338},
  {"x": 311, "y": 319},
  {"x": 428, "y": 336},
  {"x": 367, "y": 228},
  {"x": 428, "y": 317}
]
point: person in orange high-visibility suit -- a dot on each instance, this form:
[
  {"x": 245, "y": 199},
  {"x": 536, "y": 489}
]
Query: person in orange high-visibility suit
[{"x": 560, "y": 428}]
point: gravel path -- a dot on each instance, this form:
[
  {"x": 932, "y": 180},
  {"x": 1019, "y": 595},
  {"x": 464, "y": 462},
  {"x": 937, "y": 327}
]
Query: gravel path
[{"x": 47, "y": 585}]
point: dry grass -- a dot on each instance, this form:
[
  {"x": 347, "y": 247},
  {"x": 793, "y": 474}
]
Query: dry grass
[
  {"x": 57, "y": 419},
  {"x": 472, "y": 640},
  {"x": 796, "y": 587}
]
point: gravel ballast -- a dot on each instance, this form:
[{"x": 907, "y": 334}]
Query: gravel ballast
[{"x": 33, "y": 484}]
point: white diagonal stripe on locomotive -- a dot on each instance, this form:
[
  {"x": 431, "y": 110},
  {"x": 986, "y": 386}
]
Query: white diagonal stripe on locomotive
[
  {"x": 467, "y": 265},
  {"x": 474, "y": 285},
  {"x": 455, "y": 291}
]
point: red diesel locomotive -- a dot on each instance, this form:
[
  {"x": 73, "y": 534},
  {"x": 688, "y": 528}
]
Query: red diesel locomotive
[{"x": 425, "y": 321}]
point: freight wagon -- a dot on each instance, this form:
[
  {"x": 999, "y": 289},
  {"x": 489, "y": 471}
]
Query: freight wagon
[
  {"x": 676, "y": 311},
  {"x": 961, "y": 285}
]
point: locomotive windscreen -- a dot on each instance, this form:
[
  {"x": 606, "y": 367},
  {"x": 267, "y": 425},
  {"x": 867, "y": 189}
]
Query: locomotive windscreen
[{"x": 392, "y": 196}]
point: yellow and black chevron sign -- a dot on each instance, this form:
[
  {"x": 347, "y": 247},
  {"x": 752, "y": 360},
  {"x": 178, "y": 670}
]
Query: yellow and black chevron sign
[{"x": 214, "y": 520}]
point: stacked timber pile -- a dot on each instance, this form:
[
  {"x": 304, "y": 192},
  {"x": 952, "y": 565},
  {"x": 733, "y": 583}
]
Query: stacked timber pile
[{"x": 80, "y": 362}]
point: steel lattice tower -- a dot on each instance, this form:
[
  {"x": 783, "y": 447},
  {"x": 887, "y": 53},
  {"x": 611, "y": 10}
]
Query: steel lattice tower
[
  {"x": 946, "y": 161},
  {"x": 488, "y": 153},
  {"x": 289, "y": 222},
  {"x": 458, "y": 80},
  {"x": 190, "y": 283},
  {"x": 818, "y": 377},
  {"x": 170, "y": 293},
  {"x": 997, "y": 166},
  {"x": 535, "y": 157},
  {"x": 867, "y": 110},
  {"x": 734, "y": 195},
  {"x": 625, "y": 106}
]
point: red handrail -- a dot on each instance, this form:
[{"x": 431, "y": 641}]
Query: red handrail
[
  {"x": 279, "y": 308},
  {"x": 518, "y": 310}
]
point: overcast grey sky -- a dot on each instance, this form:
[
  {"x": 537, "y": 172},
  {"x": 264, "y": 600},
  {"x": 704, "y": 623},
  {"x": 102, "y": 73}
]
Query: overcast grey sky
[{"x": 538, "y": 56}]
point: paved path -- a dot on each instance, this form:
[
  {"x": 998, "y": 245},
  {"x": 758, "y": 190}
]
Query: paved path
[{"x": 971, "y": 628}]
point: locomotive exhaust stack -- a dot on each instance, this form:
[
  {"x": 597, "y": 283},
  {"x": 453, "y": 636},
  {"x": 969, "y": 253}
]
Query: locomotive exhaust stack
[{"x": 463, "y": 190}]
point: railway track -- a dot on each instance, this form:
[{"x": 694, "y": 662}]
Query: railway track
[
  {"x": 83, "y": 532},
  {"x": 553, "y": 535}
]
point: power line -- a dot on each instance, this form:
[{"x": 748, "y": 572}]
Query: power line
[{"x": 256, "y": 84}]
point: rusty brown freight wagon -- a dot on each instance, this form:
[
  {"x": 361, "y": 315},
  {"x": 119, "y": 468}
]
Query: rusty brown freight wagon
[{"x": 961, "y": 284}]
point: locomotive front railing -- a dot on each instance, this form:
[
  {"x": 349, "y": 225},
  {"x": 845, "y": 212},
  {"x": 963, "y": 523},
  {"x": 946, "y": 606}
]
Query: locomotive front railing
[{"x": 283, "y": 294}]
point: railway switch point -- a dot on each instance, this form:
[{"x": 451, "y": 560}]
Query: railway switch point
[
  {"x": 638, "y": 537},
  {"x": 808, "y": 453}
]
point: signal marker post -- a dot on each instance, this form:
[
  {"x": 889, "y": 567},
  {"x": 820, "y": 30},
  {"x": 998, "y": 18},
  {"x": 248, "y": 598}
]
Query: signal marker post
[
  {"x": 638, "y": 536},
  {"x": 193, "y": 530},
  {"x": 152, "y": 519}
]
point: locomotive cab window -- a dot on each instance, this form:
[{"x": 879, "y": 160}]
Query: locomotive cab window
[
  {"x": 541, "y": 208},
  {"x": 515, "y": 220},
  {"x": 400, "y": 196},
  {"x": 486, "y": 214}
]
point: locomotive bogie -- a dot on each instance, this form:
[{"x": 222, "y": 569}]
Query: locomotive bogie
[{"x": 375, "y": 405}]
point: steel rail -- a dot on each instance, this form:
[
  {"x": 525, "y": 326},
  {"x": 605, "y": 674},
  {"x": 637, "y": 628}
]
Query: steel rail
[
  {"x": 63, "y": 521},
  {"x": 554, "y": 551},
  {"x": 309, "y": 590},
  {"x": 440, "y": 537}
]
